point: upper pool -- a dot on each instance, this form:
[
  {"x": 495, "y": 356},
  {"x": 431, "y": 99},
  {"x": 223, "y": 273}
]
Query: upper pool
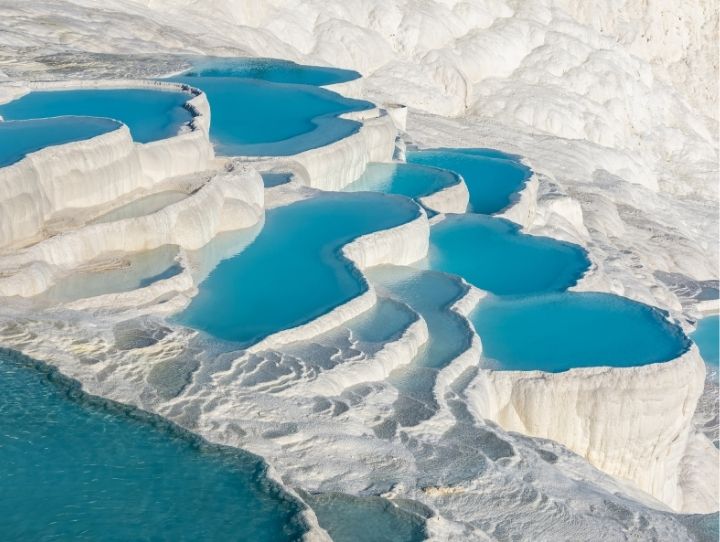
[
  {"x": 409, "y": 180},
  {"x": 77, "y": 467},
  {"x": 293, "y": 271},
  {"x": 251, "y": 117},
  {"x": 270, "y": 69},
  {"x": 494, "y": 255},
  {"x": 19, "y": 138},
  {"x": 150, "y": 114},
  {"x": 707, "y": 337},
  {"x": 557, "y": 332},
  {"x": 492, "y": 177}
]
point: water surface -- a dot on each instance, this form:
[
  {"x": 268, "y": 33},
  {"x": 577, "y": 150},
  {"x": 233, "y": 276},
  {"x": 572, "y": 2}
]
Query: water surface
[
  {"x": 142, "y": 206},
  {"x": 21, "y": 137},
  {"x": 76, "y": 467},
  {"x": 150, "y": 114},
  {"x": 707, "y": 337},
  {"x": 556, "y": 332}
]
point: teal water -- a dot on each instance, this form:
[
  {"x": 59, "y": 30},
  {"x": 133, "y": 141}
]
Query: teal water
[
  {"x": 19, "y": 138},
  {"x": 492, "y": 177},
  {"x": 149, "y": 114},
  {"x": 494, "y": 255},
  {"x": 126, "y": 273},
  {"x": 365, "y": 519},
  {"x": 252, "y": 117},
  {"x": 76, "y": 467},
  {"x": 293, "y": 271},
  {"x": 430, "y": 294},
  {"x": 707, "y": 337},
  {"x": 270, "y": 69},
  {"x": 408, "y": 180},
  {"x": 556, "y": 332}
]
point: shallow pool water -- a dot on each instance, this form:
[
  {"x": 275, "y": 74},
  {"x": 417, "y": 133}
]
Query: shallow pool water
[
  {"x": 556, "y": 332},
  {"x": 431, "y": 294},
  {"x": 150, "y": 114},
  {"x": 409, "y": 180},
  {"x": 19, "y": 138},
  {"x": 492, "y": 177},
  {"x": 293, "y": 271},
  {"x": 252, "y": 117},
  {"x": 270, "y": 69},
  {"x": 81, "y": 468},
  {"x": 707, "y": 337},
  {"x": 143, "y": 206},
  {"x": 123, "y": 273},
  {"x": 494, "y": 255}
]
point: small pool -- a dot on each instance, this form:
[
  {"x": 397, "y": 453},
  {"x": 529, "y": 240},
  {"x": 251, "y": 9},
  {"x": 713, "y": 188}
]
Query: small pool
[
  {"x": 124, "y": 273},
  {"x": 408, "y": 180},
  {"x": 494, "y": 255},
  {"x": 293, "y": 271},
  {"x": 557, "y": 332},
  {"x": 21, "y": 137},
  {"x": 707, "y": 337},
  {"x": 431, "y": 294},
  {"x": 76, "y": 467},
  {"x": 150, "y": 114},
  {"x": 492, "y": 177},
  {"x": 142, "y": 206},
  {"x": 251, "y": 117},
  {"x": 270, "y": 69}
]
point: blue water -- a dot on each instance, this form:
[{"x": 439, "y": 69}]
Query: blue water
[
  {"x": 408, "y": 180},
  {"x": 252, "y": 117},
  {"x": 269, "y": 69},
  {"x": 707, "y": 337},
  {"x": 149, "y": 114},
  {"x": 19, "y": 138},
  {"x": 494, "y": 255},
  {"x": 431, "y": 295},
  {"x": 293, "y": 271},
  {"x": 76, "y": 467},
  {"x": 557, "y": 332},
  {"x": 492, "y": 177}
]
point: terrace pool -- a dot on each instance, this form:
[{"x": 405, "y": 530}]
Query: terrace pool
[{"x": 707, "y": 337}]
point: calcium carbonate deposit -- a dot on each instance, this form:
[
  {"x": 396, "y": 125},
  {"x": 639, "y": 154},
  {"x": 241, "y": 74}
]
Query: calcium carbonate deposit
[{"x": 360, "y": 271}]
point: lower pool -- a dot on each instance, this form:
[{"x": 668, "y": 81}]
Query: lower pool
[
  {"x": 76, "y": 467},
  {"x": 21, "y": 137},
  {"x": 150, "y": 114},
  {"x": 494, "y": 255},
  {"x": 293, "y": 271},
  {"x": 560, "y": 331},
  {"x": 492, "y": 177},
  {"x": 707, "y": 337}
]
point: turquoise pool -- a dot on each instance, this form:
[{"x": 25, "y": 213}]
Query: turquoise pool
[
  {"x": 149, "y": 114},
  {"x": 408, "y": 180},
  {"x": 21, "y": 137},
  {"x": 251, "y": 117},
  {"x": 293, "y": 271},
  {"x": 707, "y": 337},
  {"x": 492, "y": 177},
  {"x": 494, "y": 255},
  {"x": 557, "y": 332},
  {"x": 77, "y": 467},
  {"x": 270, "y": 69}
]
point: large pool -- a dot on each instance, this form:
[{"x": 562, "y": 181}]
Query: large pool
[
  {"x": 19, "y": 138},
  {"x": 494, "y": 255},
  {"x": 270, "y": 69},
  {"x": 150, "y": 114},
  {"x": 492, "y": 177},
  {"x": 408, "y": 180},
  {"x": 76, "y": 467},
  {"x": 252, "y": 117},
  {"x": 293, "y": 271},
  {"x": 556, "y": 332}
]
